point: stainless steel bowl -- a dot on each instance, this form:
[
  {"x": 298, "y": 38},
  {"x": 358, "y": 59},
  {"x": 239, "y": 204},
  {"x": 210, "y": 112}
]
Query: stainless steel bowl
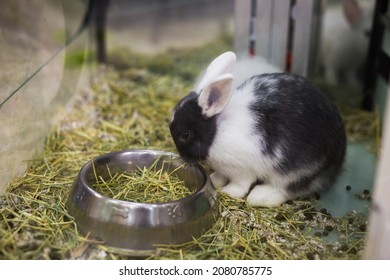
[{"x": 141, "y": 227}]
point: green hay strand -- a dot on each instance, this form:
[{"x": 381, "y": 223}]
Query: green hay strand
[{"x": 145, "y": 185}]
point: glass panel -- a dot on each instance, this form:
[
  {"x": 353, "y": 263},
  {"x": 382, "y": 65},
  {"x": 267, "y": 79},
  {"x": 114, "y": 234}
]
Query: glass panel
[{"x": 34, "y": 78}]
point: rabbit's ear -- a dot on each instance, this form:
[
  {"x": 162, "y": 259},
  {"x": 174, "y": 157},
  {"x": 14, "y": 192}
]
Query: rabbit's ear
[
  {"x": 216, "y": 95},
  {"x": 223, "y": 64},
  {"x": 352, "y": 12}
]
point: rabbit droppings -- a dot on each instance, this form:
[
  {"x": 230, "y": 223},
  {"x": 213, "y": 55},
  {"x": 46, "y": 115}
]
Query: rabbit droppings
[{"x": 274, "y": 138}]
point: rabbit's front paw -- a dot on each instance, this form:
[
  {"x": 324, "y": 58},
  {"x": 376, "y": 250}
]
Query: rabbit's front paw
[
  {"x": 235, "y": 190},
  {"x": 218, "y": 180},
  {"x": 266, "y": 196}
]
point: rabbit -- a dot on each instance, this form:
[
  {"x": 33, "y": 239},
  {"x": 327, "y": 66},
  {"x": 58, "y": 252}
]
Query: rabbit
[
  {"x": 345, "y": 41},
  {"x": 274, "y": 138}
]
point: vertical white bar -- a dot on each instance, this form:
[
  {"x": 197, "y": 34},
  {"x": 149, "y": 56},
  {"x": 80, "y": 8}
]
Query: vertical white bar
[
  {"x": 302, "y": 36},
  {"x": 315, "y": 39},
  {"x": 279, "y": 32},
  {"x": 378, "y": 238},
  {"x": 264, "y": 11},
  {"x": 242, "y": 13}
]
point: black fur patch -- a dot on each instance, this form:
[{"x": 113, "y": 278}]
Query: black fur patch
[{"x": 188, "y": 117}]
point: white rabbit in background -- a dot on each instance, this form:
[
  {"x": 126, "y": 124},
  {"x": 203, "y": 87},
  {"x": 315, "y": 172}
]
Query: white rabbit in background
[
  {"x": 345, "y": 40},
  {"x": 246, "y": 66}
]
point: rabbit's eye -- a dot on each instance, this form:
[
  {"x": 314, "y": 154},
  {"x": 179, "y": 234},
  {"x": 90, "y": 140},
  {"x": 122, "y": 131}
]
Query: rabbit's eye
[{"x": 184, "y": 135}]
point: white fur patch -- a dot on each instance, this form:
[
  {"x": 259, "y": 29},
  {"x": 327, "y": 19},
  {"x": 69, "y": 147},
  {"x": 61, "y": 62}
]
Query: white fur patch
[
  {"x": 236, "y": 150},
  {"x": 266, "y": 196},
  {"x": 173, "y": 116},
  {"x": 178, "y": 106},
  {"x": 274, "y": 192}
]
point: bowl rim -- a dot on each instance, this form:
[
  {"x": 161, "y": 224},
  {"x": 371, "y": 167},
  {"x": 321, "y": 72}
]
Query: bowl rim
[{"x": 86, "y": 185}]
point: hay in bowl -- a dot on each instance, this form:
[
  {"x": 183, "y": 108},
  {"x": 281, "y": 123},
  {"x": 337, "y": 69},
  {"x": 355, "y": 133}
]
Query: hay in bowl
[{"x": 144, "y": 185}]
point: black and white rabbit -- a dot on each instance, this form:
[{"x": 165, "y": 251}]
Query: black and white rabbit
[{"x": 274, "y": 138}]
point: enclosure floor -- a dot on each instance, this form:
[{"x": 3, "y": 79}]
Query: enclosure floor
[{"x": 359, "y": 173}]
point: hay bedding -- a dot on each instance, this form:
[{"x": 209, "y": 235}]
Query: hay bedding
[{"x": 130, "y": 108}]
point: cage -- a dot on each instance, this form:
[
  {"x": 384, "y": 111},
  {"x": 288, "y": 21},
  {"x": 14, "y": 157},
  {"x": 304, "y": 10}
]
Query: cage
[{"x": 81, "y": 78}]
